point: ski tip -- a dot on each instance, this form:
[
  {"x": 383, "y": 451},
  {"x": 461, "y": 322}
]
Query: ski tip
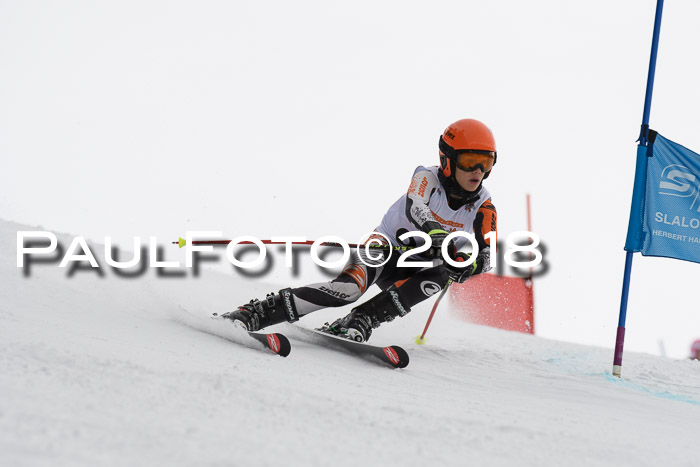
[
  {"x": 279, "y": 344},
  {"x": 181, "y": 242},
  {"x": 398, "y": 357}
]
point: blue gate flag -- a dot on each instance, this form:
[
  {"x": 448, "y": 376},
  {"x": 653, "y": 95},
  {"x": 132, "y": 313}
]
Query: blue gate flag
[{"x": 665, "y": 213}]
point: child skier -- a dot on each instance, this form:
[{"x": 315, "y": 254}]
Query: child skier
[{"x": 440, "y": 199}]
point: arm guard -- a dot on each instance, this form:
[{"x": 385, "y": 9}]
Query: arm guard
[
  {"x": 423, "y": 184},
  {"x": 484, "y": 223}
]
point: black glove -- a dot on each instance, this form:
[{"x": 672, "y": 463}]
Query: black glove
[
  {"x": 461, "y": 274},
  {"x": 437, "y": 236}
]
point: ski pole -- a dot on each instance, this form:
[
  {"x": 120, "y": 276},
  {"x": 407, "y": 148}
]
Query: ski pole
[
  {"x": 182, "y": 242},
  {"x": 420, "y": 340}
]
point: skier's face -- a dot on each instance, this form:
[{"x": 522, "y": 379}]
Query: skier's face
[{"x": 469, "y": 180}]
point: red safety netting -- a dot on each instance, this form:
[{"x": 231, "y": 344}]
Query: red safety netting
[{"x": 497, "y": 301}]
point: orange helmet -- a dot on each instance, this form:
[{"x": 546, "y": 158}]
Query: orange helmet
[{"x": 467, "y": 136}]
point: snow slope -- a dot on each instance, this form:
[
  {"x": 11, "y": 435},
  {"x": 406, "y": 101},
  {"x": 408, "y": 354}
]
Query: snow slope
[{"x": 113, "y": 371}]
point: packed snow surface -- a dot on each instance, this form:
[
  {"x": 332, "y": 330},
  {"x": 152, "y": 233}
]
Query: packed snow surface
[{"x": 105, "y": 370}]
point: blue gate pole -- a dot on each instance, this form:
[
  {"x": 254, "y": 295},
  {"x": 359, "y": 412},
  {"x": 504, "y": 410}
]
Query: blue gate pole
[{"x": 643, "y": 141}]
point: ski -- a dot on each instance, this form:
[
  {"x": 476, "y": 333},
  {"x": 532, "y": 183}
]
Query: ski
[
  {"x": 393, "y": 355},
  {"x": 274, "y": 341}
]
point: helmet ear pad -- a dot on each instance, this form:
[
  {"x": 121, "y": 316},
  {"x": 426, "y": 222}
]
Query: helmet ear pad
[
  {"x": 445, "y": 165},
  {"x": 446, "y": 155}
]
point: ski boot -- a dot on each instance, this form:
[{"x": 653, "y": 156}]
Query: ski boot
[
  {"x": 358, "y": 325},
  {"x": 257, "y": 314}
]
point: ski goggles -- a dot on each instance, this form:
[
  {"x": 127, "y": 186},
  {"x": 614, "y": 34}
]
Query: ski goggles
[{"x": 474, "y": 158}]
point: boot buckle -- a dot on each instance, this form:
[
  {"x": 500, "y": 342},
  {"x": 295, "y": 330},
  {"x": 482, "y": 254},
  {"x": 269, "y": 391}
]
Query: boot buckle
[{"x": 257, "y": 306}]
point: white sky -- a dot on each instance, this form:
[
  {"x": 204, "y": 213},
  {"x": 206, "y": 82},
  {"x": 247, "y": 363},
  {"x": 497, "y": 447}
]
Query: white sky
[{"x": 308, "y": 118}]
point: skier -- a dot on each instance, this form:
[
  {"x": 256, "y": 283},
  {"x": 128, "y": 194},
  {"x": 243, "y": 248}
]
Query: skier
[
  {"x": 440, "y": 199},
  {"x": 695, "y": 350}
]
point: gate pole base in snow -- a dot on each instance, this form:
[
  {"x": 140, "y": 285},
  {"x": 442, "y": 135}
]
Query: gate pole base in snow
[
  {"x": 619, "y": 344},
  {"x": 620, "y": 339}
]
